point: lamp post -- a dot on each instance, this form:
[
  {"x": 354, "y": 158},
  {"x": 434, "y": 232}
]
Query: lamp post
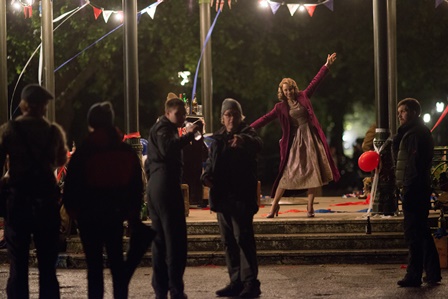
[
  {"x": 384, "y": 64},
  {"x": 3, "y": 66},
  {"x": 48, "y": 53},
  {"x": 131, "y": 92},
  {"x": 206, "y": 66}
]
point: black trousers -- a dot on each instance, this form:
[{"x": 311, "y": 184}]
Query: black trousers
[
  {"x": 423, "y": 255},
  {"x": 95, "y": 234},
  {"x": 237, "y": 234},
  {"x": 25, "y": 218},
  {"x": 169, "y": 248}
]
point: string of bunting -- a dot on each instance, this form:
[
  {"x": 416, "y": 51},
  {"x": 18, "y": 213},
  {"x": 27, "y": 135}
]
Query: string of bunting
[
  {"x": 97, "y": 11},
  {"x": 275, "y": 5}
]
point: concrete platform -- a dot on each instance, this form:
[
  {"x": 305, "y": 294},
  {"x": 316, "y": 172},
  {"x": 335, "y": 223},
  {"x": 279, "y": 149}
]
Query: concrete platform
[{"x": 294, "y": 208}]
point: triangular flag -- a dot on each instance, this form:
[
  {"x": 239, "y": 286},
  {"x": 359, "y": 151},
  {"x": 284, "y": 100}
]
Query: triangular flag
[
  {"x": 97, "y": 12},
  {"x": 329, "y": 4},
  {"x": 28, "y": 11},
  {"x": 152, "y": 11},
  {"x": 106, "y": 14},
  {"x": 229, "y": 2},
  {"x": 274, "y": 6},
  {"x": 292, "y": 8},
  {"x": 438, "y": 2},
  {"x": 310, "y": 9},
  {"x": 221, "y": 6}
]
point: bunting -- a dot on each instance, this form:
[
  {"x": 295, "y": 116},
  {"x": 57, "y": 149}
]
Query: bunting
[
  {"x": 274, "y": 6},
  {"x": 329, "y": 4},
  {"x": 310, "y": 8},
  {"x": 28, "y": 11},
  {"x": 97, "y": 11},
  {"x": 220, "y": 4},
  {"x": 292, "y": 8}
]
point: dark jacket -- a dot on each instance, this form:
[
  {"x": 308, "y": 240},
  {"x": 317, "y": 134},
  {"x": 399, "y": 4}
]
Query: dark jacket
[
  {"x": 233, "y": 170},
  {"x": 104, "y": 177},
  {"x": 413, "y": 150},
  {"x": 165, "y": 151},
  {"x": 281, "y": 111},
  {"x": 35, "y": 148}
]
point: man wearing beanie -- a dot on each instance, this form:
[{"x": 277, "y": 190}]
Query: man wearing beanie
[
  {"x": 103, "y": 188},
  {"x": 166, "y": 205},
  {"x": 35, "y": 148},
  {"x": 231, "y": 174}
]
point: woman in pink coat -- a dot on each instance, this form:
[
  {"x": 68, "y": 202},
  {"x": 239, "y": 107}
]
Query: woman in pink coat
[{"x": 305, "y": 159}]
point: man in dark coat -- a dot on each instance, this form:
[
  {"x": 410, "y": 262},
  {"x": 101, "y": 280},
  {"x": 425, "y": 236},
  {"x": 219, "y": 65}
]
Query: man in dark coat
[
  {"x": 163, "y": 167},
  {"x": 35, "y": 148},
  {"x": 231, "y": 174},
  {"x": 104, "y": 187},
  {"x": 413, "y": 149}
]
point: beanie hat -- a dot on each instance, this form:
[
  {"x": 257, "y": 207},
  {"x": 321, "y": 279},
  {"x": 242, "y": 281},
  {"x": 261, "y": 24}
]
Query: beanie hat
[
  {"x": 35, "y": 94},
  {"x": 231, "y": 104},
  {"x": 101, "y": 115}
]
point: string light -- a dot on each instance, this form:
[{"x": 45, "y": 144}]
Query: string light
[
  {"x": 119, "y": 16},
  {"x": 263, "y": 3}
]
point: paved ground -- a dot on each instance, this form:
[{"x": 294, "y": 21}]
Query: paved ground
[
  {"x": 285, "y": 282},
  {"x": 277, "y": 281}
]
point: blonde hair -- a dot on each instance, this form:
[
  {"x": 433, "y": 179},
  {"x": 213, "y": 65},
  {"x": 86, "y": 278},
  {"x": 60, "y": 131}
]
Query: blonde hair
[{"x": 290, "y": 82}]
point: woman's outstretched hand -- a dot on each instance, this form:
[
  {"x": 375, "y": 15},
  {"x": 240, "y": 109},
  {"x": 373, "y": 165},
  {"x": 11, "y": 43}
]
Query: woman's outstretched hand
[{"x": 330, "y": 59}]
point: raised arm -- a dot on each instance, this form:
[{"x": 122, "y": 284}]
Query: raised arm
[{"x": 309, "y": 91}]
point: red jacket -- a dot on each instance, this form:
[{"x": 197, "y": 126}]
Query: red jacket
[{"x": 281, "y": 111}]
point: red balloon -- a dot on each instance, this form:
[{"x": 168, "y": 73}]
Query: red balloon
[{"x": 368, "y": 161}]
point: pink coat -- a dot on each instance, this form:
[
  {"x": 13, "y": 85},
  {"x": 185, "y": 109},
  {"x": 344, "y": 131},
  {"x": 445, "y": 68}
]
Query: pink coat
[{"x": 281, "y": 111}]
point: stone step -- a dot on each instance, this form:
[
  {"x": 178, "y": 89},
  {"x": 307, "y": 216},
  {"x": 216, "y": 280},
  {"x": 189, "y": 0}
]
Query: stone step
[
  {"x": 266, "y": 257},
  {"x": 287, "y": 242},
  {"x": 305, "y": 226}
]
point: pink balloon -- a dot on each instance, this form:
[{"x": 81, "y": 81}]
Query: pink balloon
[{"x": 368, "y": 161}]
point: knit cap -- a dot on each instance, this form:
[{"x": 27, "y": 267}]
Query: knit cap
[{"x": 228, "y": 104}]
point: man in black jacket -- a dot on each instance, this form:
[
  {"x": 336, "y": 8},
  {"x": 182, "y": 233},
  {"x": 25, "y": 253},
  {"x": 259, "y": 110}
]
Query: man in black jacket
[
  {"x": 163, "y": 168},
  {"x": 231, "y": 174},
  {"x": 413, "y": 149},
  {"x": 35, "y": 148}
]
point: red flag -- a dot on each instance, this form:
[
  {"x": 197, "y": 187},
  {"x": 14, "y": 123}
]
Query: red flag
[
  {"x": 28, "y": 11},
  {"x": 97, "y": 12},
  {"x": 310, "y": 9}
]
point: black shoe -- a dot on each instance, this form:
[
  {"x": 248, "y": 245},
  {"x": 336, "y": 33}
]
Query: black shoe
[
  {"x": 432, "y": 281},
  {"x": 409, "y": 283},
  {"x": 232, "y": 290},
  {"x": 251, "y": 290}
]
